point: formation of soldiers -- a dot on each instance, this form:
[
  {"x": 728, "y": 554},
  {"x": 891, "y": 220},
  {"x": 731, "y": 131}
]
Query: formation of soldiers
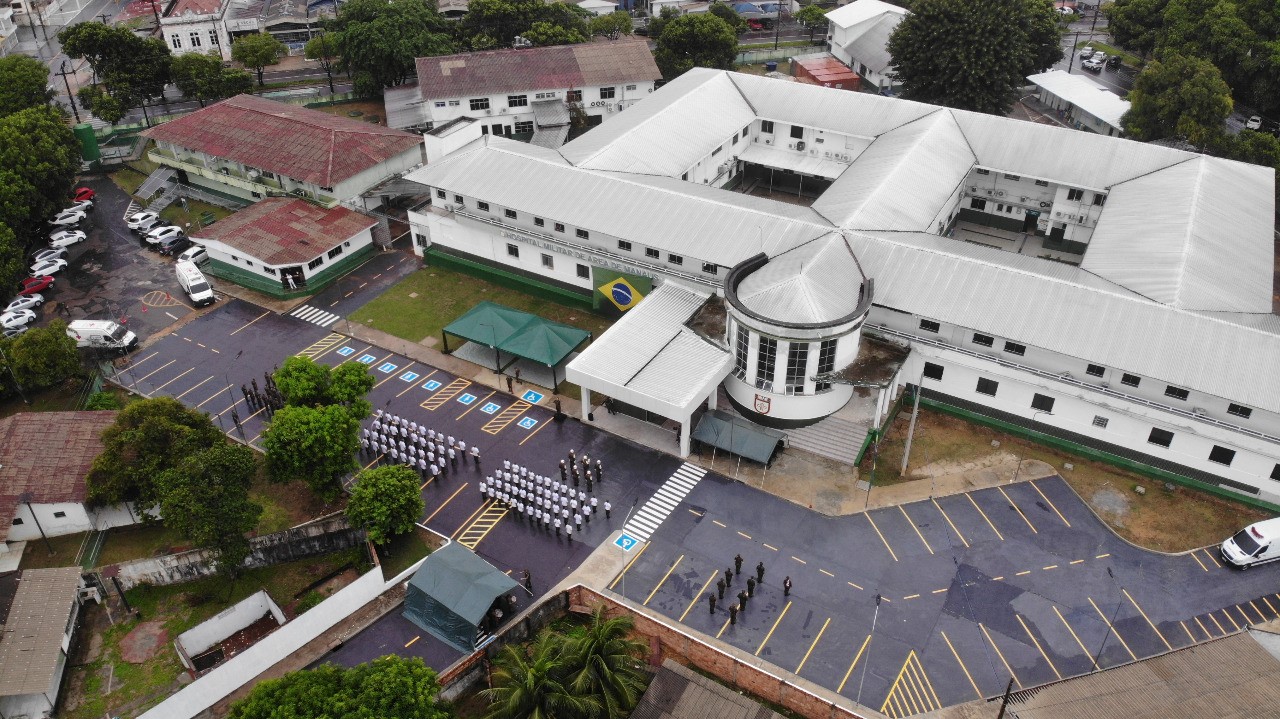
[
  {"x": 745, "y": 595},
  {"x": 268, "y": 399},
  {"x": 546, "y": 503},
  {"x": 401, "y": 441}
]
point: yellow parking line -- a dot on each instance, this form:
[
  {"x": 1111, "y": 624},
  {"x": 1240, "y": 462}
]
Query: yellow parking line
[
  {"x": 771, "y": 629},
  {"x": 175, "y": 379},
  {"x": 1113, "y": 629},
  {"x": 1202, "y": 627},
  {"x": 1268, "y": 603},
  {"x": 882, "y": 539},
  {"x": 719, "y": 523},
  {"x": 411, "y": 641},
  {"x": 1150, "y": 623},
  {"x": 722, "y": 628},
  {"x": 1018, "y": 509},
  {"x": 395, "y": 373},
  {"x": 766, "y": 544},
  {"x": 1050, "y": 502},
  {"x": 854, "y": 663},
  {"x": 953, "y": 524},
  {"x": 624, "y": 569},
  {"x": 989, "y": 524},
  {"x": 1190, "y": 636},
  {"x": 1259, "y": 611},
  {"x": 1000, "y": 654},
  {"x": 134, "y": 365},
  {"x": 213, "y": 396},
  {"x": 917, "y": 529},
  {"x": 1243, "y": 613},
  {"x": 354, "y": 355},
  {"x": 1212, "y": 558},
  {"x": 746, "y": 536},
  {"x": 854, "y": 585},
  {"x": 1036, "y": 642},
  {"x": 698, "y": 596},
  {"x": 539, "y": 429},
  {"x": 1217, "y": 624},
  {"x": 143, "y": 377},
  {"x": 963, "y": 668},
  {"x": 255, "y": 319},
  {"x": 1075, "y": 636},
  {"x": 1230, "y": 618},
  {"x": 414, "y": 383},
  {"x": 658, "y": 586},
  {"x": 477, "y": 403},
  {"x": 811, "y": 646},
  {"x": 484, "y": 507},
  {"x": 1193, "y": 556},
  {"x": 450, "y": 499}
]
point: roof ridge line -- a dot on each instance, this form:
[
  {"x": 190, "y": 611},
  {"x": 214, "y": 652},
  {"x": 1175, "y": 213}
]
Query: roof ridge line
[{"x": 1188, "y": 247}]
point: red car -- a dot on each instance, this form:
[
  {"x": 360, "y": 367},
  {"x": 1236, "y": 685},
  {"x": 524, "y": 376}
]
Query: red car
[
  {"x": 32, "y": 285},
  {"x": 83, "y": 193}
]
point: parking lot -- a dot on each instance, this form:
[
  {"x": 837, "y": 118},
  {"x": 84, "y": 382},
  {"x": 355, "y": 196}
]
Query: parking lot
[{"x": 1019, "y": 581}]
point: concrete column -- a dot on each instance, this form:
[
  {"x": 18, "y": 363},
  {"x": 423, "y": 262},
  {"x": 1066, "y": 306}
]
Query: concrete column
[
  {"x": 685, "y": 430},
  {"x": 586, "y": 403},
  {"x": 713, "y": 397}
]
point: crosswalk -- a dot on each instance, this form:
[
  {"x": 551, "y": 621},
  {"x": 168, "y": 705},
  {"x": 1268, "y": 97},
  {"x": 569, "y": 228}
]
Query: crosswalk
[
  {"x": 314, "y": 315},
  {"x": 645, "y": 522}
]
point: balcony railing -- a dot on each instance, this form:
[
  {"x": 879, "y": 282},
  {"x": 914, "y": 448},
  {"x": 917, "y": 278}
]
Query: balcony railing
[{"x": 236, "y": 177}]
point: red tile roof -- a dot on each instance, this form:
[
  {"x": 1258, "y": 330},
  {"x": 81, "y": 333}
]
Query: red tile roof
[
  {"x": 195, "y": 7},
  {"x": 603, "y": 62},
  {"x": 47, "y": 454},
  {"x": 307, "y": 145},
  {"x": 284, "y": 230}
]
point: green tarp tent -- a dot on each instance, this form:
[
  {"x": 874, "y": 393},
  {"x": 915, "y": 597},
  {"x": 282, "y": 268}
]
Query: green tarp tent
[
  {"x": 517, "y": 333},
  {"x": 451, "y": 592},
  {"x": 738, "y": 436}
]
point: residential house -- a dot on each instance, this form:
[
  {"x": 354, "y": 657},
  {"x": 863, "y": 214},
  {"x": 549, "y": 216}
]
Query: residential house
[
  {"x": 858, "y": 35},
  {"x": 1080, "y": 102},
  {"x": 197, "y": 26},
  {"x": 36, "y": 637}
]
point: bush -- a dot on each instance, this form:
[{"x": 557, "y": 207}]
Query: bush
[
  {"x": 308, "y": 601},
  {"x": 103, "y": 400}
]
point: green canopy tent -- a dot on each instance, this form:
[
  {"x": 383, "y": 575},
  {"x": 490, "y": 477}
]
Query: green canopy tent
[
  {"x": 738, "y": 436},
  {"x": 451, "y": 592},
  {"x": 517, "y": 333}
]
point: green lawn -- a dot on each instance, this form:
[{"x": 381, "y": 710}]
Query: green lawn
[
  {"x": 174, "y": 214},
  {"x": 140, "y": 541},
  {"x": 65, "y": 549},
  {"x": 420, "y": 305},
  {"x": 400, "y": 553}
]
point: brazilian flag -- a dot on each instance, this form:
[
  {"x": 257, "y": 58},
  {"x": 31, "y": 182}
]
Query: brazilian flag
[{"x": 618, "y": 292}]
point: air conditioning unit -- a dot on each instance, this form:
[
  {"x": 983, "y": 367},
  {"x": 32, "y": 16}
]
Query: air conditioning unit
[
  {"x": 1058, "y": 213},
  {"x": 768, "y": 141},
  {"x": 1199, "y": 411},
  {"x": 973, "y": 188},
  {"x": 255, "y": 174},
  {"x": 800, "y": 145},
  {"x": 488, "y": 111},
  {"x": 999, "y": 193},
  {"x": 1022, "y": 199},
  {"x": 827, "y": 155},
  {"x": 503, "y": 110},
  {"x": 791, "y": 146},
  {"x": 990, "y": 192}
]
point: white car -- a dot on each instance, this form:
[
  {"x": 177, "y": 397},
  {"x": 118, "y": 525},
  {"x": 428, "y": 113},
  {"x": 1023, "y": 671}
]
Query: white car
[
  {"x": 1254, "y": 123},
  {"x": 17, "y": 318},
  {"x": 49, "y": 253},
  {"x": 82, "y": 205},
  {"x": 163, "y": 233},
  {"x": 195, "y": 254},
  {"x": 48, "y": 267},
  {"x": 68, "y": 218},
  {"x": 14, "y": 331},
  {"x": 142, "y": 221},
  {"x": 24, "y": 303},
  {"x": 65, "y": 238},
  {"x": 1086, "y": 52}
]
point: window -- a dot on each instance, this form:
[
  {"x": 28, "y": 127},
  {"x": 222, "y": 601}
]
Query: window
[
  {"x": 573, "y": 96},
  {"x": 933, "y": 371},
  {"x": 440, "y": 103},
  {"x": 631, "y": 88},
  {"x": 981, "y": 171},
  {"x": 685, "y": 177},
  {"x": 517, "y": 100},
  {"x": 1162, "y": 437},
  {"x": 1075, "y": 195},
  {"x": 440, "y": 194},
  {"x": 335, "y": 252},
  {"x": 18, "y": 520},
  {"x": 741, "y": 342},
  {"x": 716, "y": 151},
  {"x": 1221, "y": 455},
  {"x": 235, "y": 259},
  {"x": 1015, "y": 178},
  {"x": 176, "y": 40},
  {"x": 607, "y": 93},
  {"x": 826, "y": 362},
  {"x": 1095, "y": 370},
  {"x": 59, "y": 515},
  {"x": 559, "y": 227},
  {"x": 930, "y": 326},
  {"x": 482, "y": 206},
  {"x": 1176, "y": 393},
  {"x": 458, "y": 199},
  {"x": 1239, "y": 410},
  {"x": 1131, "y": 380},
  {"x": 1099, "y": 199},
  {"x": 650, "y": 252},
  {"x": 584, "y": 272},
  {"x": 710, "y": 268},
  {"x": 583, "y": 234},
  {"x": 539, "y": 222},
  {"x": 624, "y": 245},
  {"x": 314, "y": 263},
  {"x": 1042, "y": 183},
  {"x": 1042, "y": 403},
  {"x": 510, "y": 214},
  {"x": 984, "y": 340},
  {"x": 479, "y": 103},
  {"x": 797, "y": 132},
  {"x": 735, "y": 138},
  {"x": 548, "y": 261},
  {"x": 1000, "y": 207},
  {"x": 545, "y": 95},
  {"x": 497, "y": 128},
  {"x": 213, "y": 37},
  {"x": 195, "y": 39},
  {"x": 271, "y": 270},
  {"x": 1100, "y": 421},
  {"x": 675, "y": 259},
  {"x": 977, "y": 203},
  {"x": 987, "y": 386},
  {"x": 525, "y": 127},
  {"x": 797, "y": 364},
  {"x": 1275, "y": 472},
  {"x": 1014, "y": 348},
  {"x": 455, "y": 103},
  {"x": 746, "y": 131},
  {"x": 513, "y": 250},
  {"x": 766, "y": 359},
  {"x": 766, "y": 126}
]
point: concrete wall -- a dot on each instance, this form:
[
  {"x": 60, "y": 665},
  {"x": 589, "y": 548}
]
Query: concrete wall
[
  {"x": 74, "y": 518},
  {"x": 229, "y": 621}
]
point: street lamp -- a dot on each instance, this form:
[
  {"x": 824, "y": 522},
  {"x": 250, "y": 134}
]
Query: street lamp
[{"x": 1022, "y": 452}]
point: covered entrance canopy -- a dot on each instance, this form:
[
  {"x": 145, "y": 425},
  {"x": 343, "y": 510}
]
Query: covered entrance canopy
[
  {"x": 517, "y": 333},
  {"x": 451, "y": 593},
  {"x": 738, "y": 436}
]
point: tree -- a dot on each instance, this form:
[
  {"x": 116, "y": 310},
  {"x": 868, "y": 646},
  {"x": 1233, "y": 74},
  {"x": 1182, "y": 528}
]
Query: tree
[
  {"x": 498, "y": 22},
  {"x": 385, "y": 501},
  {"x": 730, "y": 16},
  {"x": 12, "y": 267},
  {"x": 604, "y": 661},
  {"x": 204, "y": 79},
  {"x": 664, "y": 16},
  {"x": 307, "y": 383},
  {"x": 206, "y": 498},
  {"x": 324, "y": 49},
  {"x": 256, "y": 51},
  {"x": 701, "y": 40},
  {"x": 379, "y": 40},
  {"x": 24, "y": 83},
  {"x": 812, "y": 17},
  {"x": 390, "y": 687},
  {"x": 148, "y": 437},
  {"x": 39, "y": 159},
  {"x": 42, "y": 357},
  {"x": 131, "y": 69},
  {"x": 611, "y": 25},
  {"x": 1178, "y": 97},
  {"x": 532, "y": 682},
  {"x": 543, "y": 34},
  {"x": 1135, "y": 24},
  {"x": 314, "y": 444},
  {"x": 102, "y": 400}
]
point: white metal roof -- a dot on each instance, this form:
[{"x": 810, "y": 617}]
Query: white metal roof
[
  {"x": 651, "y": 360},
  {"x": 1084, "y": 93},
  {"x": 816, "y": 282},
  {"x": 859, "y": 114},
  {"x": 771, "y": 156},
  {"x": 31, "y": 645},
  {"x": 871, "y": 45},
  {"x": 862, "y": 11},
  {"x": 1182, "y": 236}
]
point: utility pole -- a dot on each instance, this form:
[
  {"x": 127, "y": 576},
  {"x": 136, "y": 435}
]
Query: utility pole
[{"x": 63, "y": 71}]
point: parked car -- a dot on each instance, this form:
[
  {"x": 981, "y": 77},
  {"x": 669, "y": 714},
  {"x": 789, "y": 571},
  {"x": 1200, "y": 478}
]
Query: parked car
[
  {"x": 1254, "y": 123},
  {"x": 1113, "y": 62},
  {"x": 14, "y": 332},
  {"x": 83, "y": 193},
  {"x": 156, "y": 235},
  {"x": 142, "y": 221},
  {"x": 195, "y": 254},
  {"x": 68, "y": 218},
  {"x": 66, "y": 238},
  {"x": 29, "y": 302},
  {"x": 82, "y": 205},
  {"x": 17, "y": 318},
  {"x": 48, "y": 267},
  {"x": 1093, "y": 64},
  {"x": 34, "y": 285},
  {"x": 49, "y": 253},
  {"x": 1087, "y": 52},
  {"x": 755, "y": 24},
  {"x": 173, "y": 245}
]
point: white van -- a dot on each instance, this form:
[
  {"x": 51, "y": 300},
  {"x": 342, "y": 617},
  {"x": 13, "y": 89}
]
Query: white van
[
  {"x": 1255, "y": 544},
  {"x": 101, "y": 333},
  {"x": 194, "y": 283}
]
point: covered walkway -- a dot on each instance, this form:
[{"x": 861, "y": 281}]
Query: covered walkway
[{"x": 519, "y": 334}]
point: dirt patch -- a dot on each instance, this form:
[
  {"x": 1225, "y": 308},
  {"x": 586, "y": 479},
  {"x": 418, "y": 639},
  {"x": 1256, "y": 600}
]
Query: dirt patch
[
  {"x": 1112, "y": 505},
  {"x": 143, "y": 641}
]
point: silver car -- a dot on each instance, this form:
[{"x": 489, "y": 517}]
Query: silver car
[
  {"x": 17, "y": 318},
  {"x": 30, "y": 302}
]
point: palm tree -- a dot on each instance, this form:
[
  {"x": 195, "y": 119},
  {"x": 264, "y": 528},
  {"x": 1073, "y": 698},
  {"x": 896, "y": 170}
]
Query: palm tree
[
  {"x": 605, "y": 664},
  {"x": 530, "y": 684}
]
